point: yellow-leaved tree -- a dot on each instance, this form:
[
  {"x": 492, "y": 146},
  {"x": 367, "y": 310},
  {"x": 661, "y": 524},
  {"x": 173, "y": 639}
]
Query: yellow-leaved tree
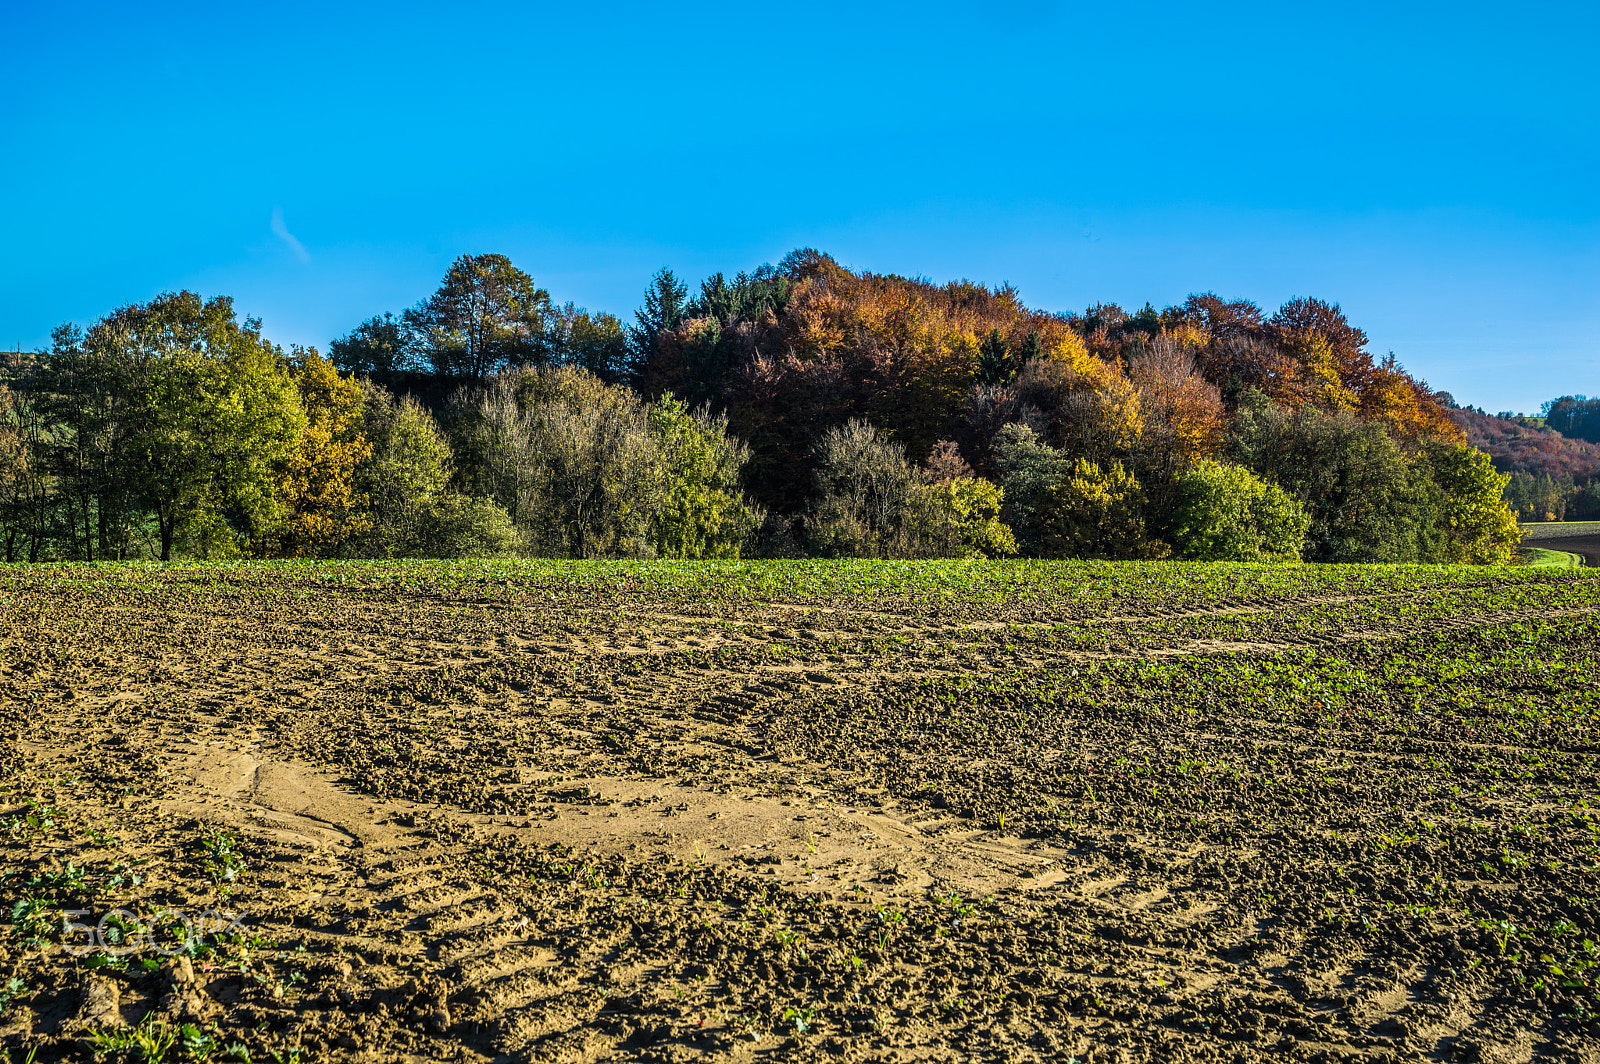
[{"x": 322, "y": 508}]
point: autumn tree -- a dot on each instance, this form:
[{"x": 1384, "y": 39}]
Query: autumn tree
[{"x": 317, "y": 482}]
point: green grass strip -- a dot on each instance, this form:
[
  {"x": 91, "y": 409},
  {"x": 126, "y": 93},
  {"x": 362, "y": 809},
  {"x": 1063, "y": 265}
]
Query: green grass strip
[{"x": 1551, "y": 559}]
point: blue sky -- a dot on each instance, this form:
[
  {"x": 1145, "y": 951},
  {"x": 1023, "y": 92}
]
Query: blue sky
[{"x": 1434, "y": 168}]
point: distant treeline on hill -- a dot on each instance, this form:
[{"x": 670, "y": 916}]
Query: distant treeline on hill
[
  {"x": 802, "y": 409},
  {"x": 1554, "y": 475}
]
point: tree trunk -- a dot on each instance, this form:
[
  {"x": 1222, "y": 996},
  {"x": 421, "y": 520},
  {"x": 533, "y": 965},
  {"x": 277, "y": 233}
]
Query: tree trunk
[
  {"x": 88, "y": 531},
  {"x": 168, "y": 525}
]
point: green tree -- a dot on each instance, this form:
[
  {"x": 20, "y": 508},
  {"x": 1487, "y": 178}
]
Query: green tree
[
  {"x": 956, "y": 518},
  {"x": 664, "y": 303},
  {"x": 408, "y": 467},
  {"x": 176, "y": 409},
  {"x": 702, "y": 513},
  {"x": 1099, "y": 513},
  {"x": 404, "y": 483},
  {"x": 1229, "y": 514},
  {"x": 864, "y": 488},
  {"x": 592, "y": 342},
  {"x": 1063, "y": 508},
  {"x": 1477, "y": 526},
  {"x": 1541, "y": 497},
  {"x": 486, "y": 316},
  {"x": 570, "y": 457},
  {"x": 86, "y": 391},
  {"x": 1366, "y": 502},
  {"x": 1030, "y": 471},
  {"x": 995, "y": 364},
  {"x": 375, "y": 348}
]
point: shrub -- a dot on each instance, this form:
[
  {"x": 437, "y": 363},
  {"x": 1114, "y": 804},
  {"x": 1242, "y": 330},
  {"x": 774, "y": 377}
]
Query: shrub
[
  {"x": 588, "y": 469},
  {"x": 702, "y": 512},
  {"x": 454, "y": 526},
  {"x": 400, "y": 479},
  {"x": 1099, "y": 514},
  {"x": 874, "y": 503},
  {"x": 1367, "y": 503},
  {"x": 1229, "y": 514},
  {"x": 864, "y": 488},
  {"x": 1070, "y": 509},
  {"x": 955, "y": 518}
]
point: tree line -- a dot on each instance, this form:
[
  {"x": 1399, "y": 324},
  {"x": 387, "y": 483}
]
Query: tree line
[
  {"x": 1553, "y": 461},
  {"x": 796, "y": 409}
]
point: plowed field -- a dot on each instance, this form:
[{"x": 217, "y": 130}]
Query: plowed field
[{"x": 789, "y": 811}]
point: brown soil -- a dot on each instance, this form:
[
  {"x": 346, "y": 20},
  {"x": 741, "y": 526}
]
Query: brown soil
[{"x": 555, "y": 825}]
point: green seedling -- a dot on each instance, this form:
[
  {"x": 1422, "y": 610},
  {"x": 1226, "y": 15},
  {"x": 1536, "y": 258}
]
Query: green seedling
[
  {"x": 14, "y": 988},
  {"x": 1503, "y": 931},
  {"x": 222, "y": 860},
  {"x": 68, "y": 880},
  {"x": 147, "y": 1042},
  {"x": 37, "y": 820},
  {"x": 34, "y": 920},
  {"x": 198, "y": 1044}
]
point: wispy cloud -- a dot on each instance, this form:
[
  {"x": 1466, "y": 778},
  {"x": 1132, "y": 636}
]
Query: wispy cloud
[{"x": 281, "y": 231}]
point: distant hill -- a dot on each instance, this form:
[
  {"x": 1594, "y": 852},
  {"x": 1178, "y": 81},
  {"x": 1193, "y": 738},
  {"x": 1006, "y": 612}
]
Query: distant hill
[{"x": 1520, "y": 445}]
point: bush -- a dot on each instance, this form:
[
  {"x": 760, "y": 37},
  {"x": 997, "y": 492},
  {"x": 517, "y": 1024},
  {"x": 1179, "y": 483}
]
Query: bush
[
  {"x": 874, "y": 503},
  {"x": 454, "y": 526},
  {"x": 956, "y": 518},
  {"x": 1029, "y": 469},
  {"x": 864, "y": 489},
  {"x": 1366, "y": 502},
  {"x": 702, "y": 513},
  {"x": 1100, "y": 514},
  {"x": 1229, "y": 514},
  {"x": 1477, "y": 526},
  {"x": 1070, "y": 509},
  {"x": 406, "y": 471},
  {"x": 588, "y": 469}
]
